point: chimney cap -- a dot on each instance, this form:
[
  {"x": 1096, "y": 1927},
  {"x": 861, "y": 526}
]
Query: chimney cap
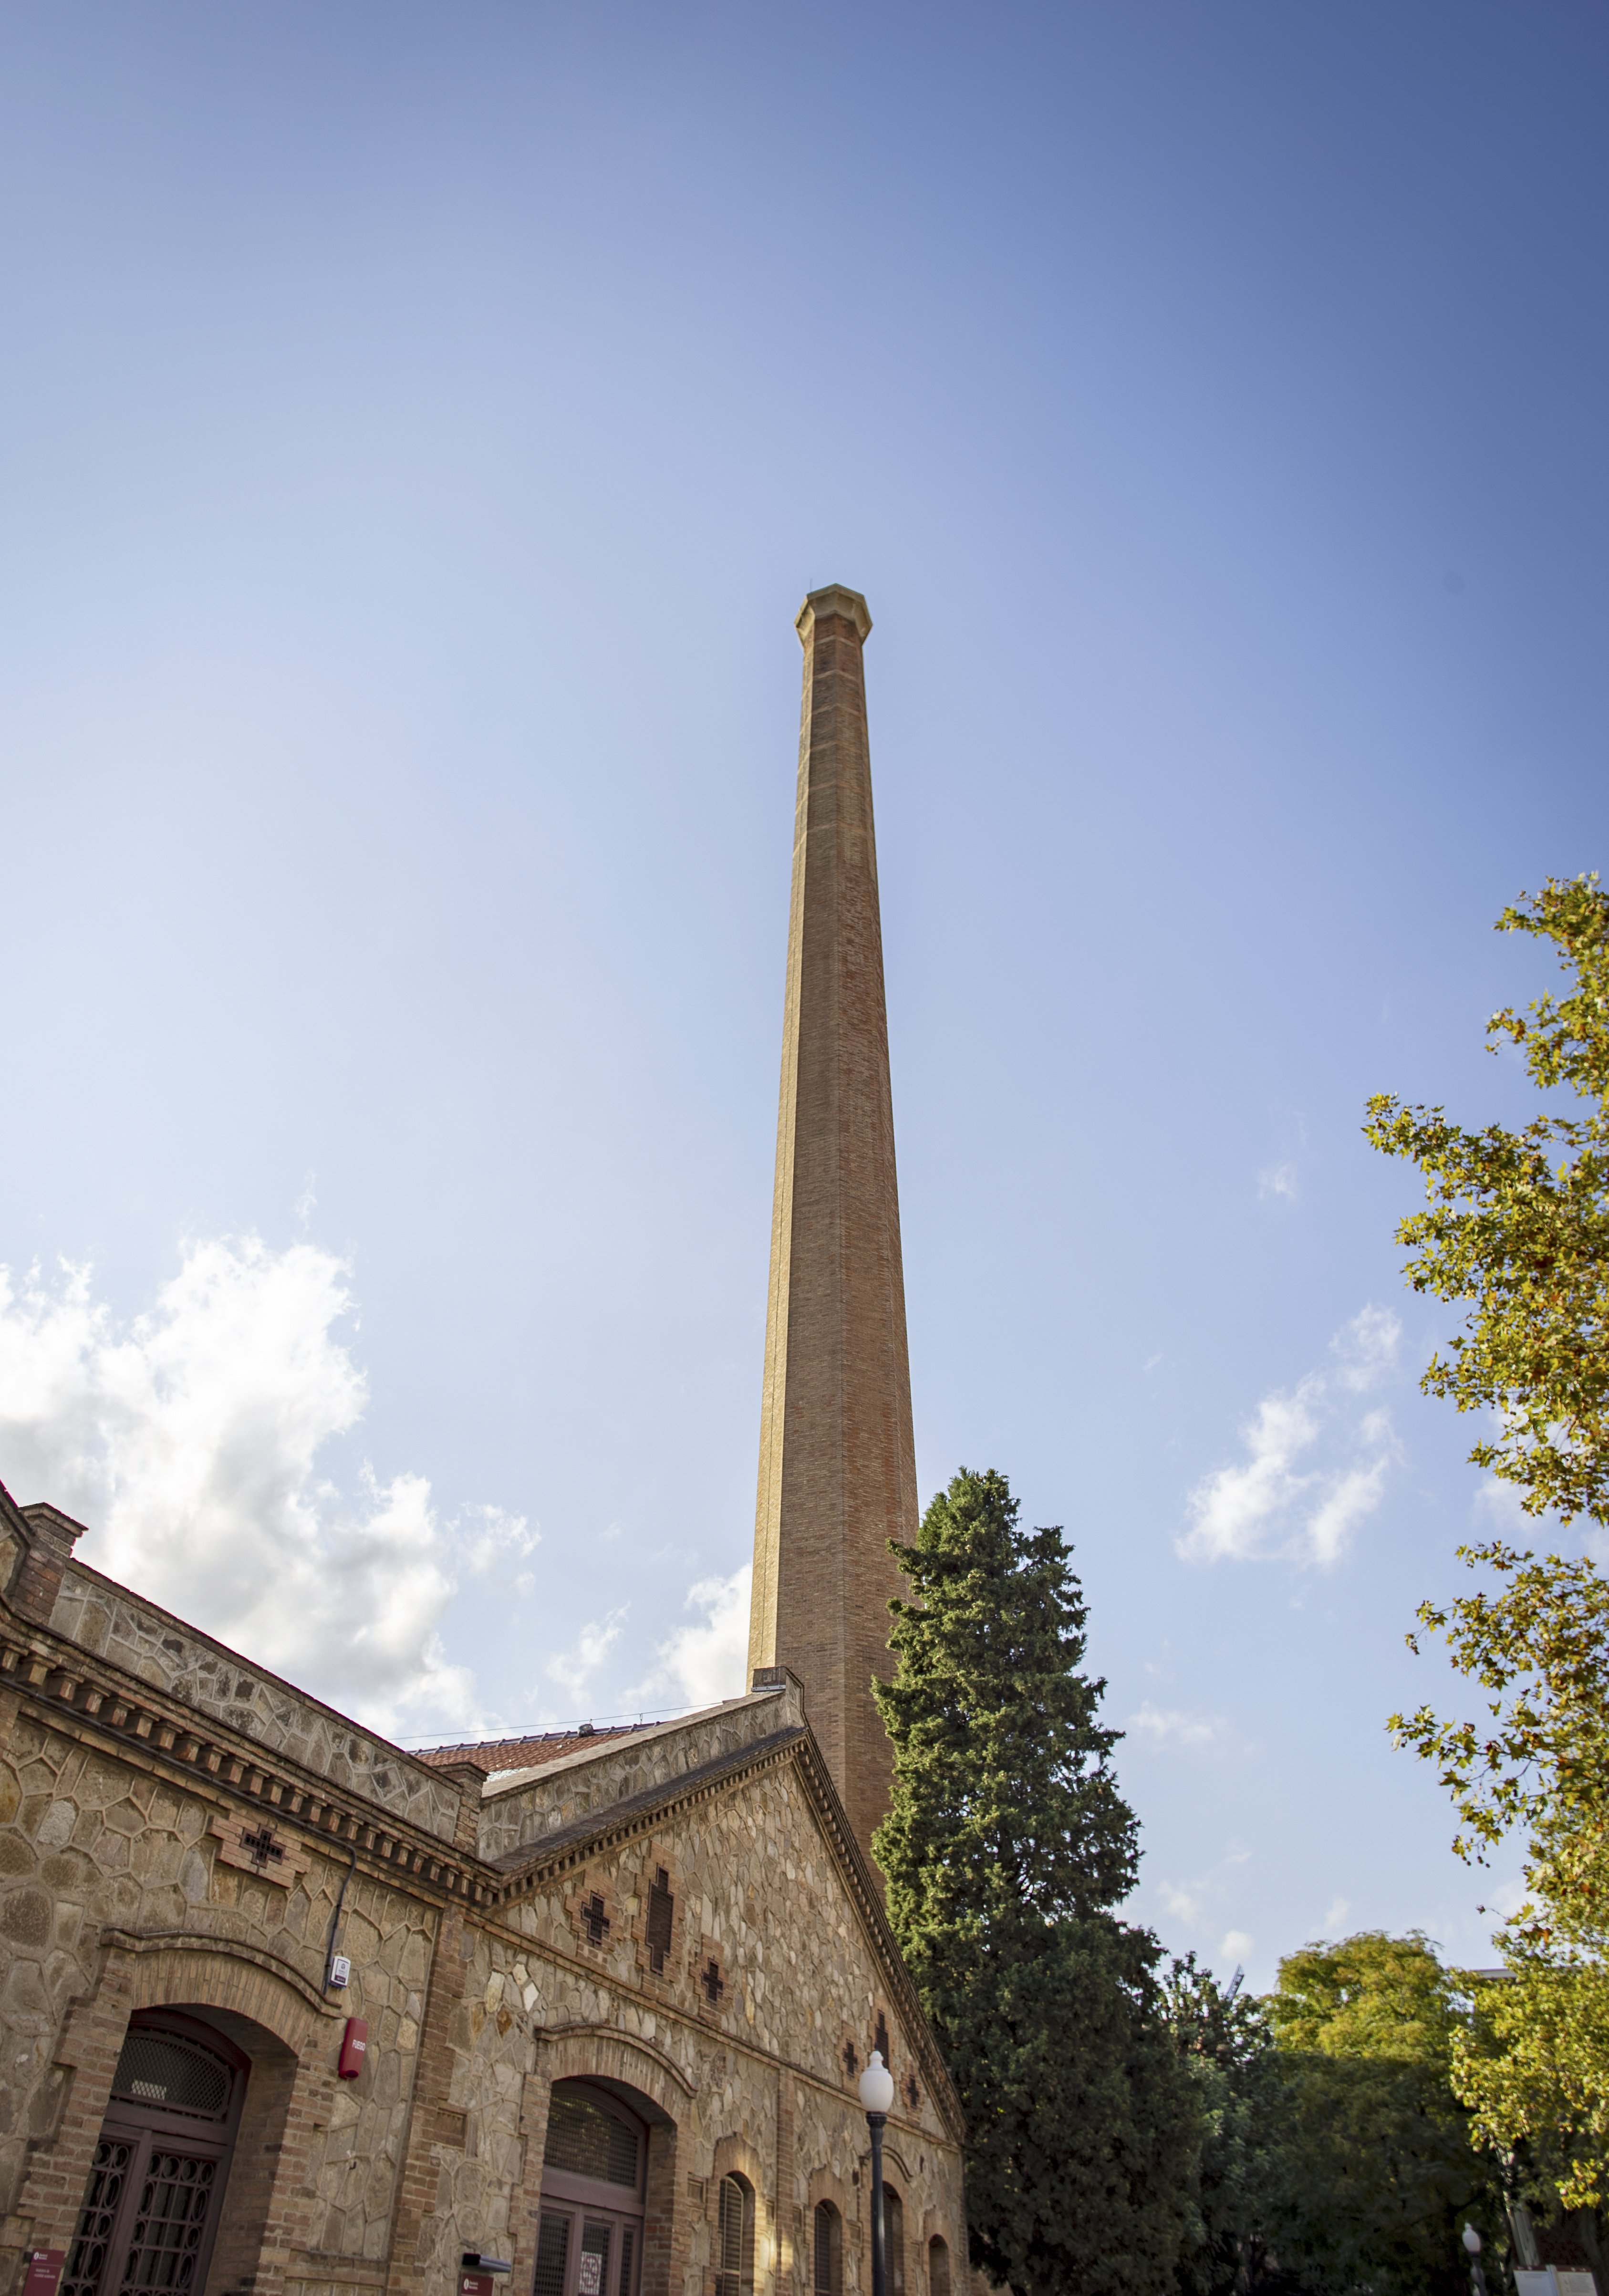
[{"x": 835, "y": 599}]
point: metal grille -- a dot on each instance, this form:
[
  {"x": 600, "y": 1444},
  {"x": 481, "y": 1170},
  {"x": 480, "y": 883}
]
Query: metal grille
[
  {"x": 86, "y": 2264},
  {"x": 175, "y": 2193},
  {"x": 661, "y": 1913},
  {"x": 552, "y": 2254},
  {"x": 627, "y": 2257},
  {"x": 588, "y": 2142},
  {"x": 592, "y": 2278},
  {"x": 827, "y": 2249},
  {"x": 735, "y": 2240},
  {"x": 713, "y": 1983},
  {"x": 595, "y": 1920},
  {"x": 180, "y": 2075}
]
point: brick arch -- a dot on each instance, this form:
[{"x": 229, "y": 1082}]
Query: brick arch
[
  {"x": 656, "y": 2090},
  {"x": 825, "y": 2186},
  {"x": 267, "y": 2007},
  {"x": 602, "y": 2054}
]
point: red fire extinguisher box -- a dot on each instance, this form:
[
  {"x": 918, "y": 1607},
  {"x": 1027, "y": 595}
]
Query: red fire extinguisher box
[{"x": 354, "y": 2048}]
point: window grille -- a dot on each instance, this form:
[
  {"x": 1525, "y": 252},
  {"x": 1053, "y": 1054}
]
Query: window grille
[
  {"x": 880, "y": 2040},
  {"x": 588, "y": 2141},
  {"x": 912, "y": 2093},
  {"x": 735, "y": 2239},
  {"x": 180, "y": 2075},
  {"x": 552, "y": 2254},
  {"x": 175, "y": 2193},
  {"x": 627, "y": 2257},
  {"x": 713, "y": 1982},
  {"x": 661, "y": 1912},
  {"x": 595, "y": 1920},
  {"x": 107, "y": 2177},
  {"x": 828, "y": 2256},
  {"x": 852, "y": 2061},
  {"x": 592, "y": 2279}
]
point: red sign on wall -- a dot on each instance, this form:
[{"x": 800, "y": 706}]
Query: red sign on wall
[
  {"x": 44, "y": 2271},
  {"x": 354, "y": 2048},
  {"x": 475, "y": 2283}
]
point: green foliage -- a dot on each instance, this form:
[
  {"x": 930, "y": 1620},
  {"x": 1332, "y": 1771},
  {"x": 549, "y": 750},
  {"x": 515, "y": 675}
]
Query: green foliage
[
  {"x": 1518, "y": 1225},
  {"x": 1337, "y": 2158},
  {"x": 1371, "y": 1996},
  {"x": 1518, "y": 1231},
  {"x": 1534, "y": 2069},
  {"x": 1226, "y": 2045},
  {"x": 1006, "y": 1847}
]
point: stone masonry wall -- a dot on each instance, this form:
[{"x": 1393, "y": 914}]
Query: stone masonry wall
[
  {"x": 117, "y": 1892},
  {"x": 526, "y": 1804},
  {"x": 106, "y": 1620},
  {"x": 94, "y": 1847}
]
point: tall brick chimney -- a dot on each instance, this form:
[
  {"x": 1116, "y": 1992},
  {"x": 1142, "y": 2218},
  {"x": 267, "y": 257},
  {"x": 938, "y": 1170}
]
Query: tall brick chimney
[{"x": 837, "y": 1459}]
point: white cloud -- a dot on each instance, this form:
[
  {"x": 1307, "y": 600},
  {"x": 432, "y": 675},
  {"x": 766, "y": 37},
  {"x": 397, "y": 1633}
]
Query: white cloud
[
  {"x": 188, "y": 1442},
  {"x": 1184, "y": 1904},
  {"x": 573, "y": 1669},
  {"x": 1278, "y": 1180},
  {"x": 703, "y": 1663},
  {"x": 491, "y": 1533},
  {"x": 1236, "y": 1945},
  {"x": 1314, "y": 1470},
  {"x": 1340, "y": 1907},
  {"x": 1168, "y": 1726}
]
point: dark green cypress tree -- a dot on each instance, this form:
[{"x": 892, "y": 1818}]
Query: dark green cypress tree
[{"x": 1005, "y": 1853}]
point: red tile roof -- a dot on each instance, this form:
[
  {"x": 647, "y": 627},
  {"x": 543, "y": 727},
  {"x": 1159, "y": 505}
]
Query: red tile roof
[{"x": 524, "y": 1753}]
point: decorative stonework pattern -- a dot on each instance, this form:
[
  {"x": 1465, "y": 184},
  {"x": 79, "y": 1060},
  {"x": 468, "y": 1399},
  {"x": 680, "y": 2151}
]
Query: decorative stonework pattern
[{"x": 110, "y": 1622}]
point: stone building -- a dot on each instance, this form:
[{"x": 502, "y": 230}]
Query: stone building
[{"x": 285, "y": 2008}]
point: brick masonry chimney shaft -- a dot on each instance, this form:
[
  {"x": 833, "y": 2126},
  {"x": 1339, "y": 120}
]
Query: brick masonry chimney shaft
[{"x": 837, "y": 1459}]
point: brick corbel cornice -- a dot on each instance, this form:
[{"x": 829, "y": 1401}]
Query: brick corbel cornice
[{"x": 96, "y": 1699}]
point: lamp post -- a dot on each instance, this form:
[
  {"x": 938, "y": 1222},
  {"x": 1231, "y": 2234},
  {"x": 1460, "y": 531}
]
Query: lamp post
[
  {"x": 876, "y": 2094},
  {"x": 1471, "y": 2243}
]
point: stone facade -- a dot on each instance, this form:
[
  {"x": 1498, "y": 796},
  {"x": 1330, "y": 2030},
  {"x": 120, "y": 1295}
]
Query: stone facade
[{"x": 180, "y": 1831}]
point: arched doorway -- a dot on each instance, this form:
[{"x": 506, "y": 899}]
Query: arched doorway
[
  {"x": 589, "y": 2241},
  {"x": 156, "y": 2187}
]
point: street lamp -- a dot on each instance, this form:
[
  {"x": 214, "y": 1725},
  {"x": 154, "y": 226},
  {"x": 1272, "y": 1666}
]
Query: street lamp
[
  {"x": 1471, "y": 2241},
  {"x": 876, "y": 2094}
]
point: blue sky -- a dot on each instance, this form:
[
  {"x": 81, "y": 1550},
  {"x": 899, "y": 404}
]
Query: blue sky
[{"x": 419, "y": 428}]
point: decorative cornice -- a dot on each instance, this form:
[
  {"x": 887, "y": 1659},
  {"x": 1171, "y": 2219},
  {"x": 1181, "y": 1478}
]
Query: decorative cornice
[
  {"x": 835, "y": 599},
  {"x": 112, "y": 1705}
]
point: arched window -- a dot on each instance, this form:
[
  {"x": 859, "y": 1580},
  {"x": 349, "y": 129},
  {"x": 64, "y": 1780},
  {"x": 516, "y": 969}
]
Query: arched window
[
  {"x": 735, "y": 2238},
  {"x": 829, "y": 2251},
  {"x": 938, "y": 2268},
  {"x": 893, "y": 2237}
]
